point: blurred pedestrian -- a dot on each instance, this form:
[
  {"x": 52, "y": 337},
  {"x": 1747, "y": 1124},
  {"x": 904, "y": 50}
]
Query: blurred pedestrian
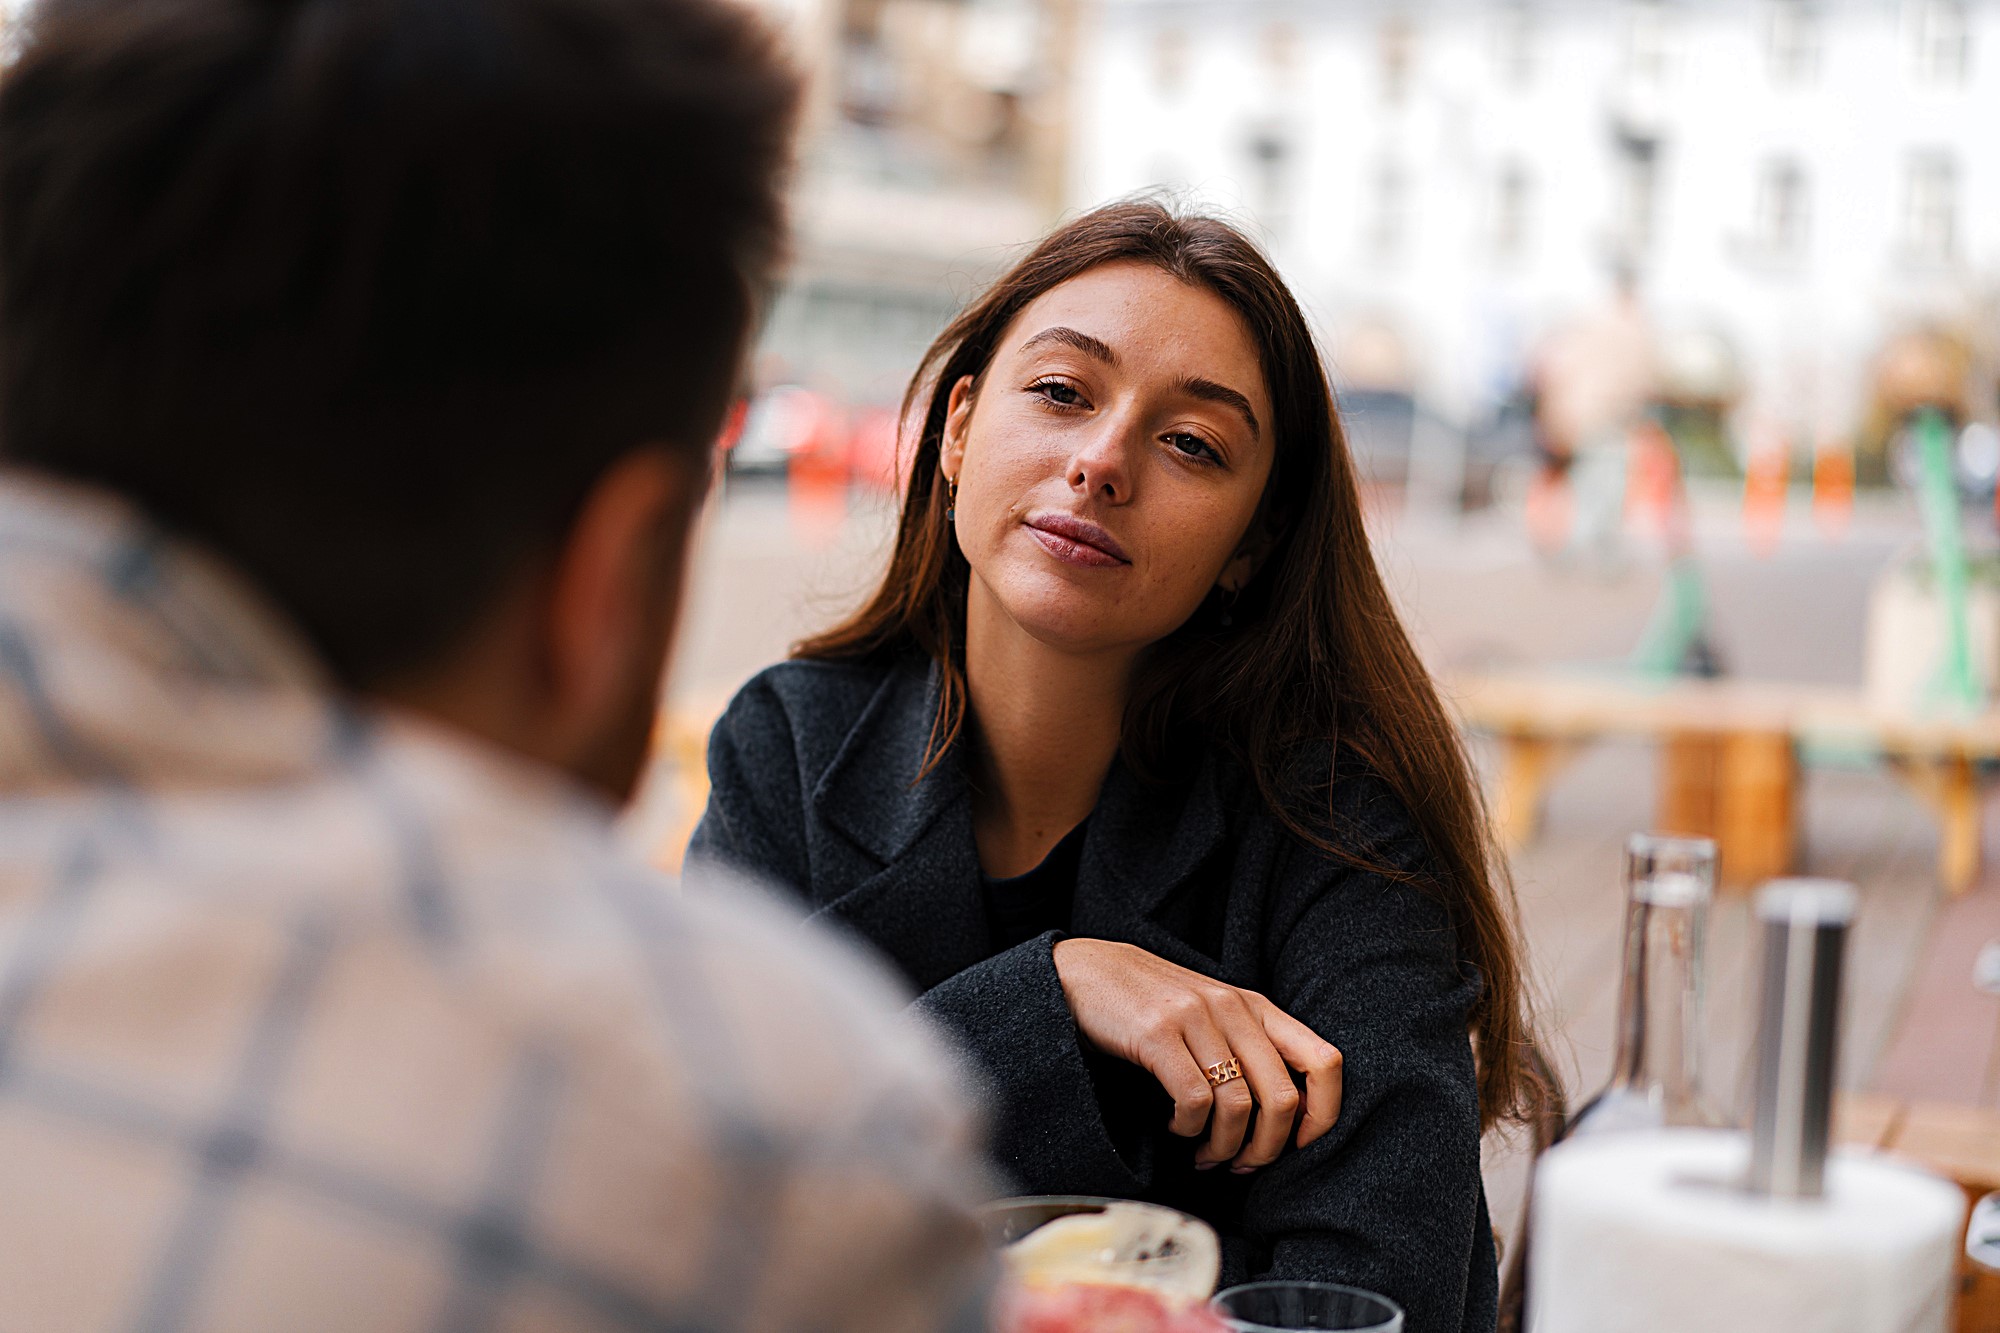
[
  {"x": 360, "y": 363},
  {"x": 1593, "y": 382}
]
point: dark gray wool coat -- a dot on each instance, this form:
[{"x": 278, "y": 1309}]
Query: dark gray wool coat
[{"x": 812, "y": 769}]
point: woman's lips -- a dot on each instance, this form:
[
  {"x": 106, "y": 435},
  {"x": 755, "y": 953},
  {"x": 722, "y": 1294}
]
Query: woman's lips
[{"x": 1077, "y": 541}]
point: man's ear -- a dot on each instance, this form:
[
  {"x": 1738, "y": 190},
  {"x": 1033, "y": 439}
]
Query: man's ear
[
  {"x": 957, "y": 415},
  {"x": 614, "y": 595}
]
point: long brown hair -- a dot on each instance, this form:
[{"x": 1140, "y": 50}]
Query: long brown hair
[{"x": 1312, "y": 658}]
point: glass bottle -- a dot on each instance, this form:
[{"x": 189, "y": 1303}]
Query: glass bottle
[{"x": 1656, "y": 1075}]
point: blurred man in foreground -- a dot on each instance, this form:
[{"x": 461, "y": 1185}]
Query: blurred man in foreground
[{"x": 359, "y": 363}]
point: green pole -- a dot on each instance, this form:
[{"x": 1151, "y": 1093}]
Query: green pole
[
  {"x": 1954, "y": 686},
  {"x": 1675, "y": 624}
]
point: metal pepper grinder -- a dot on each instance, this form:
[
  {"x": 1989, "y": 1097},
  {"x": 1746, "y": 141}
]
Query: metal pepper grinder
[{"x": 1798, "y": 1034}]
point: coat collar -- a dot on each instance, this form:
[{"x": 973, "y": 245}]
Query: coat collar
[
  {"x": 1145, "y": 839},
  {"x": 871, "y": 791}
]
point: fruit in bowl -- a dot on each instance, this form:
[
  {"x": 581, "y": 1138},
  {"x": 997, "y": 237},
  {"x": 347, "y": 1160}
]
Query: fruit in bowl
[
  {"x": 1096, "y": 1308},
  {"x": 1080, "y": 1265}
]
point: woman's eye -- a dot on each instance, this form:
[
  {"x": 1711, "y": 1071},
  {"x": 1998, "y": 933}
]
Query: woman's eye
[
  {"x": 1194, "y": 447},
  {"x": 1057, "y": 392}
]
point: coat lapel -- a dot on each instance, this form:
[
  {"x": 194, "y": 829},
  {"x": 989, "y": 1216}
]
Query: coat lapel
[
  {"x": 1145, "y": 842},
  {"x": 923, "y": 906}
]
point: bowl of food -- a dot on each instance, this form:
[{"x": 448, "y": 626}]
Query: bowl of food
[{"x": 1074, "y": 1263}]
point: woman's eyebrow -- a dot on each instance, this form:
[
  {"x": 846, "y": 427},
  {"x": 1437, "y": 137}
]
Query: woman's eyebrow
[
  {"x": 1209, "y": 391},
  {"x": 1069, "y": 337}
]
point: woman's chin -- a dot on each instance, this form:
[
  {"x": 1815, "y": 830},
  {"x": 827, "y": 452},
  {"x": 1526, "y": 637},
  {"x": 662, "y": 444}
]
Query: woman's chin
[
  {"x": 1075, "y": 623},
  {"x": 1069, "y": 614}
]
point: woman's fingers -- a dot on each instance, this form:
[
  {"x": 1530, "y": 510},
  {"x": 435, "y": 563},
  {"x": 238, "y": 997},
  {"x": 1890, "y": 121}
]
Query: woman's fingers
[
  {"x": 1176, "y": 1023},
  {"x": 1271, "y": 1086},
  {"x": 1169, "y": 1061},
  {"x": 1315, "y": 1057},
  {"x": 1233, "y": 1108},
  {"x": 1233, "y": 1102}
]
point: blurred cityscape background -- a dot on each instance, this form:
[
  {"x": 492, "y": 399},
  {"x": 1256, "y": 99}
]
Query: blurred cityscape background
[
  {"x": 1667, "y": 335},
  {"x": 1789, "y": 208}
]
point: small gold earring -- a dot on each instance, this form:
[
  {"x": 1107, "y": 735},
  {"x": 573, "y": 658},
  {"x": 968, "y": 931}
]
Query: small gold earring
[{"x": 951, "y": 500}]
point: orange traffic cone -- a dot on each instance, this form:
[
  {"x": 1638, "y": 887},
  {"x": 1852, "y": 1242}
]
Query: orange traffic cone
[
  {"x": 1833, "y": 486},
  {"x": 816, "y": 477},
  {"x": 1764, "y": 480}
]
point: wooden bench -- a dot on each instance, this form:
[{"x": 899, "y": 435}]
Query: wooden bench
[
  {"x": 1729, "y": 757},
  {"x": 1960, "y": 1143}
]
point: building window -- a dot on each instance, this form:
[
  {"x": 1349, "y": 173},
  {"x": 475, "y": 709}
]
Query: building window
[
  {"x": 1398, "y": 53},
  {"x": 1514, "y": 44},
  {"x": 1646, "y": 40},
  {"x": 1389, "y": 213},
  {"x": 1513, "y": 207},
  {"x": 1170, "y": 58},
  {"x": 1782, "y": 219},
  {"x": 1940, "y": 41},
  {"x": 1638, "y": 191},
  {"x": 1271, "y": 166},
  {"x": 869, "y": 80},
  {"x": 1791, "y": 41},
  {"x": 1930, "y": 208}
]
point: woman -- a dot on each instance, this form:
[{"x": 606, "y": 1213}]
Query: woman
[{"x": 1131, "y": 769}]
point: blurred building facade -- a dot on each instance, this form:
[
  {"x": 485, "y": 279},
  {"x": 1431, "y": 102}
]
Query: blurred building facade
[
  {"x": 1795, "y": 187},
  {"x": 936, "y": 140}
]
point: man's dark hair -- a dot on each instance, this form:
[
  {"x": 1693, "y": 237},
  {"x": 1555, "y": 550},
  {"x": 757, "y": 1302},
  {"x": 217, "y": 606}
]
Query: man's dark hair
[{"x": 366, "y": 294}]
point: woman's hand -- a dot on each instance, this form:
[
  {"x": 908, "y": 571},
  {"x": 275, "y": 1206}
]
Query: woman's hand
[{"x": 1175, "y": 1023}]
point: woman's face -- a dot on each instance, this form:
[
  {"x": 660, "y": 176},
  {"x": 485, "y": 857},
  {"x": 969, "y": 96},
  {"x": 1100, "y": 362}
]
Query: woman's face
[{"x": 1112, "y": 460}]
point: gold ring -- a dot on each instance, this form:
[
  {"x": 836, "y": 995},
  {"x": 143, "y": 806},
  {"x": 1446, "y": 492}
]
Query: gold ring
[{"x": 1222, "y": 1071}]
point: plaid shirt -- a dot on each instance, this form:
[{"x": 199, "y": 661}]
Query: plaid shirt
[{"x": 318, "y": 1017}]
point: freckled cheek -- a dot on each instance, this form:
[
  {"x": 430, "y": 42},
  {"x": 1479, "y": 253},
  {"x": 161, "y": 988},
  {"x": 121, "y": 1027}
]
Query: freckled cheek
[
  {"x": 1004, "y": 471},
  {"x": 1176, "y": 588},
  {"x": 1193, "y": 543}
]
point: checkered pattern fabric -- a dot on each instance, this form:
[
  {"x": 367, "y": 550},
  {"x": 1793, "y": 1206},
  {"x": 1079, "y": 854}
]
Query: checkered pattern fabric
[{"x": 317, "y": 1017}]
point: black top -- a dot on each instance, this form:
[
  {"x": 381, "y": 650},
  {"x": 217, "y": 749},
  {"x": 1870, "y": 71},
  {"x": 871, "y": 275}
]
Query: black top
[
  {"x": 1020, "y": 907},
  {"x": 815, "y": 785}
]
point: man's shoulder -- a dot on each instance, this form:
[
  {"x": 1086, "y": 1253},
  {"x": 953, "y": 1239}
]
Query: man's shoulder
[
  {"x": 719, "y": 976},
  {"x": 806, "y": 997}
]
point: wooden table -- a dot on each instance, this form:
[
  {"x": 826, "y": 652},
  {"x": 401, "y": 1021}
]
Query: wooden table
[
  {"x": 1729, "y": 757},
  {"x": 1961, "y": 1143},
  {"x": 679, "y": 765}
]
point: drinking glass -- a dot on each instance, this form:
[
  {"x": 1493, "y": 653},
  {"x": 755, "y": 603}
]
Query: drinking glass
[{"x": 1285, "y": 1307}]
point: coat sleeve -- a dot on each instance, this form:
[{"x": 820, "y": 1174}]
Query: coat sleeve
[
  {"x": 1391, "y": 1199},
  {"x": 755, "y": 820},
  {"x": 1047, "y": 1090}
]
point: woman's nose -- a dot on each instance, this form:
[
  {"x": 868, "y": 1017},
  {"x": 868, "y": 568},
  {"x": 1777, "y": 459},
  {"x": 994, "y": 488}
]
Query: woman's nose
[{"x": 1102, "y": 464}]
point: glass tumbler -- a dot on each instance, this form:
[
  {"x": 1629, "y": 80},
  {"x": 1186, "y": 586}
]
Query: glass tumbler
[{"x": 1286, "y": 1307}]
